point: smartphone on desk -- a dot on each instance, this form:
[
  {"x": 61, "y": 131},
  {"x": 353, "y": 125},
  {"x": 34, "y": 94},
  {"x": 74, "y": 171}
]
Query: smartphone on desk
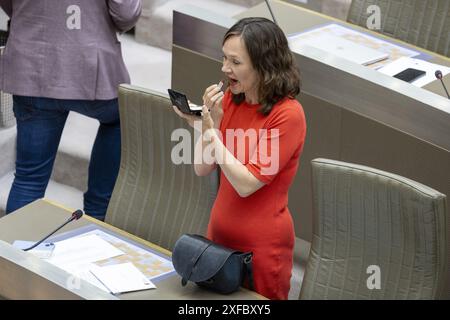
[
  {"x": 181, "y": 102},
  {"x": 410, "y": 75}
]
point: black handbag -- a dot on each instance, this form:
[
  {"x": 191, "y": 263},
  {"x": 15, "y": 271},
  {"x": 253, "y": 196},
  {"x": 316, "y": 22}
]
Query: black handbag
[{"x": 211, "y": 265}]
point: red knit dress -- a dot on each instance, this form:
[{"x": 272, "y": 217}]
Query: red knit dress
[{"x": 270, "y": 147}]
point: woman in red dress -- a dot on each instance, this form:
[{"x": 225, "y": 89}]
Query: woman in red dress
[{"x": 255, "y": 132}]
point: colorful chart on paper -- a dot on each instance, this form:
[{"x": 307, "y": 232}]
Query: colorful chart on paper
[
  {"x": 395, "y": 51},
  {"x": 150, "y": 264}
]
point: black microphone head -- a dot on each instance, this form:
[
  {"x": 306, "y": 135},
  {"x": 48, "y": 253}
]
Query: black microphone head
[
  {"x": 438, "y": 74},
  {"x": 77, "y": 214}
]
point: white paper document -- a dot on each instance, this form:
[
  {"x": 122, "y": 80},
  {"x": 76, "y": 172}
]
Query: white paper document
[
  {"x": 42, "y": 251},
  {"x": 149, "y": 263},
  {"x": 358, "y": 39},
  {"x": 405, "y": 63},
  {"x": 340, "y": 47},
  {"x": 96, "y": 255},
  {"x": 77, "y": 253},
  {"x": 124, "y": 277},
  {"x": 86, "y": 275}
]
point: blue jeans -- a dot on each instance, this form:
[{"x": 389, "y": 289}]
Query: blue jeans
[{"x": 40, "y": 122}]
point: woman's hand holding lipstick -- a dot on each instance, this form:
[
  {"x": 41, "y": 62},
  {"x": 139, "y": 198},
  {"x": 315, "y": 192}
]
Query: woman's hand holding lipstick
[{"x": 212, "y": 99}]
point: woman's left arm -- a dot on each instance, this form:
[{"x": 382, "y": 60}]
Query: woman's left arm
[
  {"x": 282, "y": 140},
  {"x": 242, "y": 180}
]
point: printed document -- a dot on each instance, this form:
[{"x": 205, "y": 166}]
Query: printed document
[{"x": 124, "y": 277}]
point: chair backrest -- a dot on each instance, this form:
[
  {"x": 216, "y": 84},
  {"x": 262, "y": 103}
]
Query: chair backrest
[
  {"x": 154, "y": 198},
  {"x": 425, "y": 24},
  {"x": 376, "y": 235}
]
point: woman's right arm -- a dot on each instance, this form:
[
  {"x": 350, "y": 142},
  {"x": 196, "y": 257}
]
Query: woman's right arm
[
  {"x": 202, "y": 165},
  {"x": 204, "y": 161}
]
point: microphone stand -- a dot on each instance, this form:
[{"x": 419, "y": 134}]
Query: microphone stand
[
  {"x": 75, "y": 216},
  {"x": 271, "y": 12},
  {"x": 445, "y": 88},
  {"x": 439, "y": 76}
]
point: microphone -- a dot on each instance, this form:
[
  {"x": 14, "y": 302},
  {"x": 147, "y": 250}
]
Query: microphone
[
  {"x": 75, "y": 216},
  {"x": 439, "y": 76},
  {"x": 271, "y": 13}
]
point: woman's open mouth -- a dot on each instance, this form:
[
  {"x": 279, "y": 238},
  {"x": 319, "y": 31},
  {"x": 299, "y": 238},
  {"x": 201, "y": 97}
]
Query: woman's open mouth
[{"x": 232, "y": 81}]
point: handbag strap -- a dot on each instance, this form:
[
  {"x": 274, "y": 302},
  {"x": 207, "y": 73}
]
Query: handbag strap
[{"x": 194, "y": 261}]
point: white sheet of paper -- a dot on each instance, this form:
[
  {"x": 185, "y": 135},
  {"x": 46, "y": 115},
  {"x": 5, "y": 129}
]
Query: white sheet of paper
[
  {"x": 341, "y": 47},
  {"x": 42, "y": 251},
  {"x": 86, "y": 275},
  {"x": 77, "y": 253},
  {"x": 154, "y": 265},
  {"x": 124, "y": 277},
  {"x": 405, "y": 63},
  {"x": 362, "y": 38}
]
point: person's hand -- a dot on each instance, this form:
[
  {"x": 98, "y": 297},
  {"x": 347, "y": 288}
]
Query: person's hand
[
  {"x": 207, "y": 121},
  {"x": 212, "y": 99},
  {"x": 208, "y": 129},
  {"x": 190, "y": 119}
]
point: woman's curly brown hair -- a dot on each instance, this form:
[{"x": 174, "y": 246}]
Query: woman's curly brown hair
[{"x": 272, "y": 59}]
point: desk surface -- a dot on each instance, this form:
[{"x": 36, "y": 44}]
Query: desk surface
[
  {"x": 310, "y": 19},
  {"x": 37, "y": 219}
]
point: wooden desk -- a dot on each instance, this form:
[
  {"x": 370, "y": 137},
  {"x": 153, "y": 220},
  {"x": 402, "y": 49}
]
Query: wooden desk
[
  {"x": 353, "y": 113},
  {"x": 34, "y": 221}
]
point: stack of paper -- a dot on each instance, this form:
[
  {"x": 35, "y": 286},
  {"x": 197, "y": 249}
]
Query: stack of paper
[{"x": 77, "y": 256}]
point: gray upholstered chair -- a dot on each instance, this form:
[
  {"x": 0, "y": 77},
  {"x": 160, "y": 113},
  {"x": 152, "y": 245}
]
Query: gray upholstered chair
[
  {"x": 422, "y": 23},
  {"x": 365, "y": 217},
  {"x": 153, "y": 198}
]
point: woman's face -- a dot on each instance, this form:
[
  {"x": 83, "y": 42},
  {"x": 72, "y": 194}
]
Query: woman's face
[{"x": 238, "y": 67}]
